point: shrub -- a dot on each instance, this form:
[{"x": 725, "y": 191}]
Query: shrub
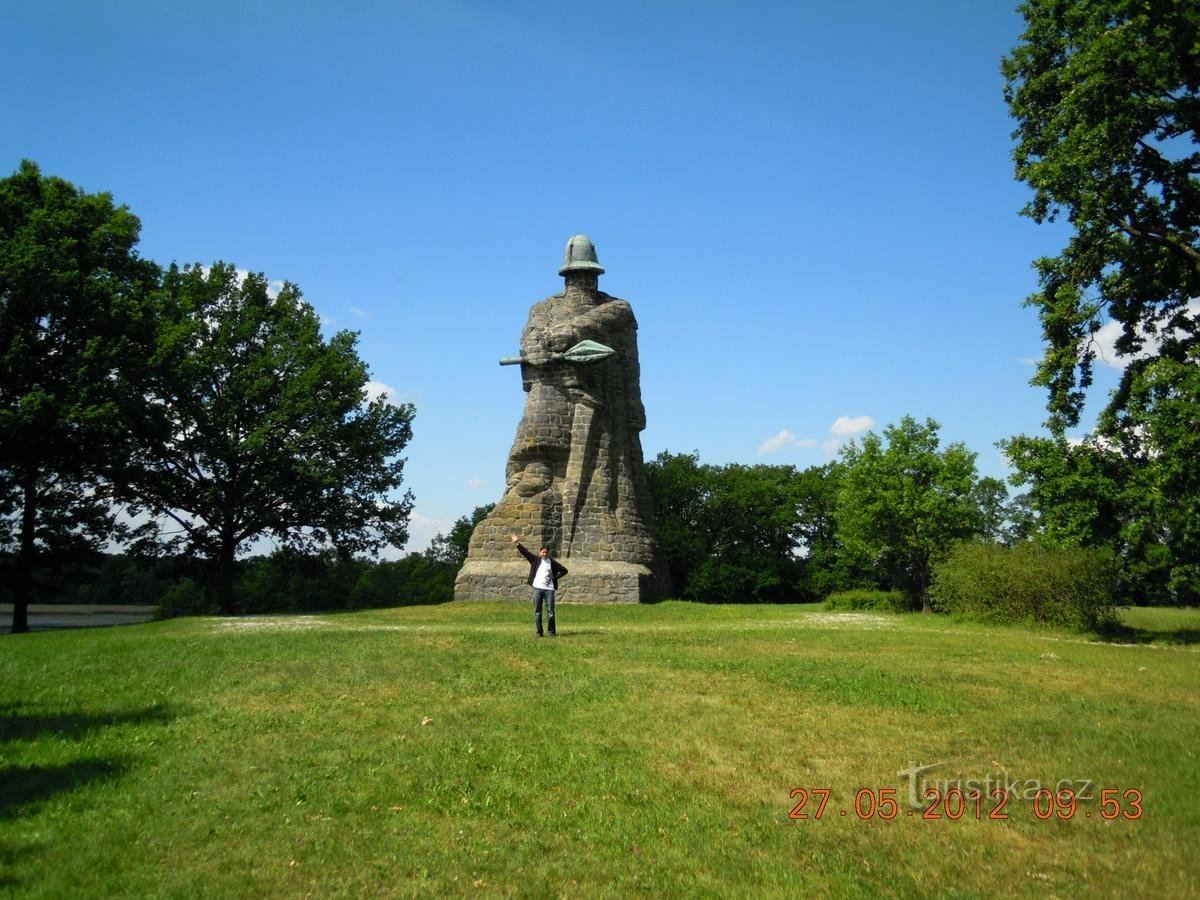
[
  {"x": 888, "y": 601},
  {"x": 1070, "y": 587},
  {"x": 290, "y": 581},
  {"x": 186, "y": 598},
  {"x": 415, "y": 579}
]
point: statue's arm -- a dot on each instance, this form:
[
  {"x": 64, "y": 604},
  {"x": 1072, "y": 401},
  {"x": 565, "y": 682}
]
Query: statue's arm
[
  {"x": 596, "y": 324},
  {"x": 535, "y": 340}
]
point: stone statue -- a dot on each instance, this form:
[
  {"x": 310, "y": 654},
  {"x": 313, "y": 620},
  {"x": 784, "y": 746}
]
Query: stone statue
[{"x": 575, "y": 479}]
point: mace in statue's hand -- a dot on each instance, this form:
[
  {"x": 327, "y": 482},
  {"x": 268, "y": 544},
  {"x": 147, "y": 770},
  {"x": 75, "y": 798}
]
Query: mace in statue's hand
[{"x": 581, "y": 353}]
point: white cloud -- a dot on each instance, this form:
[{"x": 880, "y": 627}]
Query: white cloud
[
  {"x": 376, "y": 389},
  {"x": 476, "y": 483},
  {"x": 784, "y": 439},
  {"x": 1027, "y": 360},
  {"x": 1104, "y": 341},
  {"x": 845, "y": 425},
  {"x": 359, "y": 313},
  {"x": 842, "y": 428}
]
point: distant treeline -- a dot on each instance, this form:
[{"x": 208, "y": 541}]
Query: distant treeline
[
  {"x": 897, "y": 513},
  {"x": 283, "y": 581}
]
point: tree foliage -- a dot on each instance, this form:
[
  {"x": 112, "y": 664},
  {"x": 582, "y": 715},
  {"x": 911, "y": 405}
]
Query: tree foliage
[
  {"x": 451, "y": 548},
  {"x": 1104, "y": 93},
  {"x": 1134, "y": 489},
  {"x": 259, "y": 426},
  {"x": 904, "y": 503},
  {"x": 740, "y": 533},
  {"x": 826, "y": 567},
  {"x": 1157, "y": 430},
  {"x": 679, "y": 487},
  {"x": 74, "y": 323},
  {"x": 750, "y": 527},
  {"x": 1075, "y": 489}
]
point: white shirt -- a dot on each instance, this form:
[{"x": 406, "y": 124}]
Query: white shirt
[{"x": 544, "y": 579}]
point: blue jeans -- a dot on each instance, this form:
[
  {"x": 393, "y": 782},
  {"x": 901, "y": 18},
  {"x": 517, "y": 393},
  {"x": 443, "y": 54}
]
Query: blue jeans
[{"x": 540, "y": 594}]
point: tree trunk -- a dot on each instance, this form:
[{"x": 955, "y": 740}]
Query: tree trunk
[
  {"x": 225, "y": 559},
  {"x": 926, "y": 606},
  {"x": 26, "y": 555}
]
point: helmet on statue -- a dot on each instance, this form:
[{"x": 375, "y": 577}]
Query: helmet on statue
[{"x": 580, "y": 256}]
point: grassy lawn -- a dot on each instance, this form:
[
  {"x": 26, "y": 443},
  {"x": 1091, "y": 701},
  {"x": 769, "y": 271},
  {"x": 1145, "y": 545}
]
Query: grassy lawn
[{"x": 647, "y": 750}]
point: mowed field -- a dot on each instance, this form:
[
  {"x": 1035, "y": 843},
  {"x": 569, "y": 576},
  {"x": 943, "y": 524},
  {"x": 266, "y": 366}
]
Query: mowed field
[{"x": 662, "y": 750}]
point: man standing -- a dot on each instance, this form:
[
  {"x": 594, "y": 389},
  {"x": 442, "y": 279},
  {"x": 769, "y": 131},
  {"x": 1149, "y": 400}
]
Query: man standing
[{"x": 544, "y": 572}]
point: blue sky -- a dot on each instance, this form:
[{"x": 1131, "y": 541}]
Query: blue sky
[{"x": 810, "y": 205}]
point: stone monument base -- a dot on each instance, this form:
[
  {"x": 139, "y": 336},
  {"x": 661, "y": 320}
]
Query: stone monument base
[{"x": 589, "y": 581}]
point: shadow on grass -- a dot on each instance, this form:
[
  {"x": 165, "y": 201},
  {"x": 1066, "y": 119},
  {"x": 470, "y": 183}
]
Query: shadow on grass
[
  {"x": 18, "y": 725},
  {"x": 10, "y": 855},
  {"x": 24, "y": 786},
  {"x": 1124, "y": 634}
]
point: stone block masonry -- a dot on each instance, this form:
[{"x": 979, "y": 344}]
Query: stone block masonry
[{"x": 575, "y": 478}]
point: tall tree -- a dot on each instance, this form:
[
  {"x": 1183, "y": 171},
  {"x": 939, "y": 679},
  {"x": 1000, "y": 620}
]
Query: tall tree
[
  {"x": 1104, "y": 93},
  {"x": 262, "y": 427},
  {"x": 451, "y": 549},
  {"x": 990, "y": 497},
  {"x": 1156, "y": 427},
  {"x": 750, "y": 525},
  {"x": 904, "y": 504},
  {"x": 679, "y": 486},
  {"x": 1074, "y": 488},
  {"x": 1100, "y": 494},
  {"x": 74, "y": 321},
  {"x": 728, "y": 533},
  {"x": 825, "y": 565}
]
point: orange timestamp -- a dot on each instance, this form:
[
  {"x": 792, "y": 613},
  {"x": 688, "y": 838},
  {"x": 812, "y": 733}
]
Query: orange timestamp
[{"x": 954, "y": 804}]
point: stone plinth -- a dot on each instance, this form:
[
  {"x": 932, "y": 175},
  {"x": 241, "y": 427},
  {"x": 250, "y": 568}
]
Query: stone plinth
[{"x": 589, "y": 581}]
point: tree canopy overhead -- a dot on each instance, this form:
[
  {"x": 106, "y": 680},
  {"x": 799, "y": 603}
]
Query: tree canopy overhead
[{"x": 1104, "y": 93}]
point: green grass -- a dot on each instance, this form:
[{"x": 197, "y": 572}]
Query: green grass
[{"x": 648, "y": 750}]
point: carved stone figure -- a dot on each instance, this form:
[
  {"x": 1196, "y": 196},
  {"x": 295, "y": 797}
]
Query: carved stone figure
[{"x": 575, "y": 479}]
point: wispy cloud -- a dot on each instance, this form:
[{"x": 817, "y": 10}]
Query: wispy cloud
[
  {"x": 844, "y": 426},
  {"x": 784, "y": 439},
  {"x": 359, "y": 313},
  {"x": 476, "y": 483},
  {"x": 421, "y": 530}
]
